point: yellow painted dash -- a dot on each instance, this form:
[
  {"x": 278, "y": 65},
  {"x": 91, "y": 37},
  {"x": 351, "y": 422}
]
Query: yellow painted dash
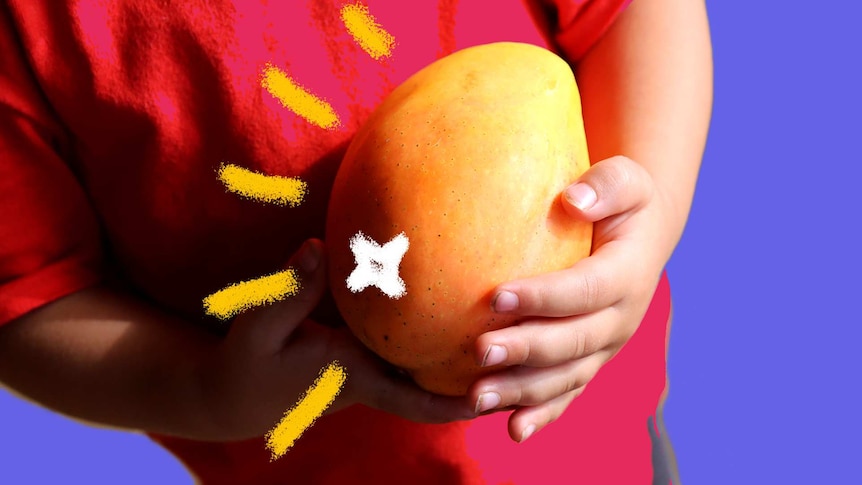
[
  {"x": 267, "y": 188},
  {"x": 373, "y": 39},
  {"x": 298, "y": 99},
  {"x": 239, "y": 297},
  {"x": 316, "y": 400}
]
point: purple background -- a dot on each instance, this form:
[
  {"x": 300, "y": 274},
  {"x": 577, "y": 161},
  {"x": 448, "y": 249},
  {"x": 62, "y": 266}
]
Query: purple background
[{"x": 763, "y": 373}]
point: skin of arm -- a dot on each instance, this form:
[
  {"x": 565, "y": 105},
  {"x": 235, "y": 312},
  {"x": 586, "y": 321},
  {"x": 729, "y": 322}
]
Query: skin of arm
[
  {"x": 110, "y": 359},
  {"x": 646, "y": 92},
  {"x": 647, "y": 95}
]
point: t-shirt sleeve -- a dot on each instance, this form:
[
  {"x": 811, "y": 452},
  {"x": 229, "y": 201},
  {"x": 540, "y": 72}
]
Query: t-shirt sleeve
[
  {"x": 49, "y": 234},
  {"x": 578, "y": 24}
]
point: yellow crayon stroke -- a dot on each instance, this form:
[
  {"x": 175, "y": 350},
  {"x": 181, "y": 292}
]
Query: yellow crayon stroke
[
  {"x": 296, "y": 420},
  {"x": 238, "y": 297},
  {"x": 366, "y": 31},
  {"x": 267, "y": 188},
  {"x": 297, "y": 99}
]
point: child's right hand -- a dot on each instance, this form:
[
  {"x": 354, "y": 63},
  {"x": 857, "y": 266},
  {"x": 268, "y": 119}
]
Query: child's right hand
[{"x": 271, "y": 355}]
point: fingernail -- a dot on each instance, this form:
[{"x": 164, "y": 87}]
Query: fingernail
[
  {"x": 487, "y": 400},
  {"x": 505, "y": 301},
  {"x": 581, "y": 196},
  {"x": 309, "y": 257},
  {"x": 528, "y": 431},
  {"x": 496, "y": 354}
]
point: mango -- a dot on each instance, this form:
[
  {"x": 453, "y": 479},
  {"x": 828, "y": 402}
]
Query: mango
[{"x": 467, "y": 159}]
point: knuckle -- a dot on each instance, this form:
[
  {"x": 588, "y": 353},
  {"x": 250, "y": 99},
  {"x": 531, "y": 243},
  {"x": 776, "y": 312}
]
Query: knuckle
[
  {"x": 545, "y": 297},
  {"x": 524, "y": 396},
  {"x": 622, "y": 180},
  {"x": 590, "y": 289},
  {"x": 579, "y": 344},
  {"x": 535, "y": 296},
  {"x": 526, "y": 354},
  {"x": 571, "y": 383},
  {"x": 518, "y": 393},
  {"x": 534, "y": 349},
  {"x": 630, "y": 174},
  {"x": 623, "y": 164},
  {"x": 612, "y": 168},
  {"x": 622, "y": 174}
]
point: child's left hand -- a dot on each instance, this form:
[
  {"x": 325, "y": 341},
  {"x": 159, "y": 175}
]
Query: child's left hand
[{"x": 577, "y": 319}]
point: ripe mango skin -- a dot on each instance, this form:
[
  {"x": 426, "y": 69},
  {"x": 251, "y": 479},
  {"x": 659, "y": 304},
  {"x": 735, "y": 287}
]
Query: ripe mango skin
[{"x": 468, "y": 158}]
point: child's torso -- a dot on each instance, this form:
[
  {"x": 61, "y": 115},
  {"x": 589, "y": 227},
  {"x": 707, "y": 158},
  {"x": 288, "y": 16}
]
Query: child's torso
[{"x": 156, "y": 95}]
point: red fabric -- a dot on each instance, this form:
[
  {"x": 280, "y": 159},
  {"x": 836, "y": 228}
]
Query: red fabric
[
  {"x": 114, "y": 117},
  {"x": 49, "y": 244},
  {"x": 581, "y": 23}
]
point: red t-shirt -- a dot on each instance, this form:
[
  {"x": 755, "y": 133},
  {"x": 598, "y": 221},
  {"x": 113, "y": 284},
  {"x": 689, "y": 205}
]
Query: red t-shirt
[{"x": 114, "y": 117}]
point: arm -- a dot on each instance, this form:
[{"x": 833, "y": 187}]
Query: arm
[
  {"x": 646, "y": 91},
  {"x": 647, "y": 94},
  {"x": 109, "y": 359}
]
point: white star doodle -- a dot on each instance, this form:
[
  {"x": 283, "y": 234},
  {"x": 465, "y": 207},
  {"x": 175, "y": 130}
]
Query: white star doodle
[{"x": 378, "y": 265}]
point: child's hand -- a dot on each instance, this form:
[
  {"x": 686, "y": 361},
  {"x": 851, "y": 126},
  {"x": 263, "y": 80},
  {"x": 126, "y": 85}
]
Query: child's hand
[
  {"x": 583, "y": 315},
  {"x": 271, "y": 355}
]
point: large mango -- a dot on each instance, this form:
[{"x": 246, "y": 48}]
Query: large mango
[{"x": 467, "y": 159}]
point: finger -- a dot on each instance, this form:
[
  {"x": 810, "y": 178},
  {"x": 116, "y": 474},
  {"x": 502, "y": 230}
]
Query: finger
[
  {"x": 545, "y": 343},
  {"x": 532, "y": 386},
  {"x": 375, "y": 383},
  {"x": 398, "y": 395},
  {"x": 269, "y": 327},
  {"x": 612, "y": 186},
  {"x": 590, "y": 284},
  {"x": 527, "y": 421}
]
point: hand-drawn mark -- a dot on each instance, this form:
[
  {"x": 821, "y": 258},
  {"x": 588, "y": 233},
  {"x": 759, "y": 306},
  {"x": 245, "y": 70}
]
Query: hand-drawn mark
[
  {"x": 382, "y": 263},
  {"x": 316, "y": 400},
  {"x": 298, "y": 99},
  {"x": 366, "y": 31},
  {"x": 238, "y": 297},
  {"x": 378, "y": 265},
  {"x": 266, "y": 188}
]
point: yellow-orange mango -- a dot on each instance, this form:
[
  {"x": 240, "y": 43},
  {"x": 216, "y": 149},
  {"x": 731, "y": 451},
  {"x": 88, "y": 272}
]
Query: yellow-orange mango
[{"x": 468, "y": 159}]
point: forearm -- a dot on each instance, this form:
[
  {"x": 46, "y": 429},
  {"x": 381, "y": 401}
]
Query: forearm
[
  {"x": 646, "y": 92},
  {"x": 108, "y": 359}
]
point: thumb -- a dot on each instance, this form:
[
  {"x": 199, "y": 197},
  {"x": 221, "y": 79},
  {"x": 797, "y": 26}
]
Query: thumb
[
  {"x": 268, "y": 328},
  {"x": 612, "y": 186}
]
